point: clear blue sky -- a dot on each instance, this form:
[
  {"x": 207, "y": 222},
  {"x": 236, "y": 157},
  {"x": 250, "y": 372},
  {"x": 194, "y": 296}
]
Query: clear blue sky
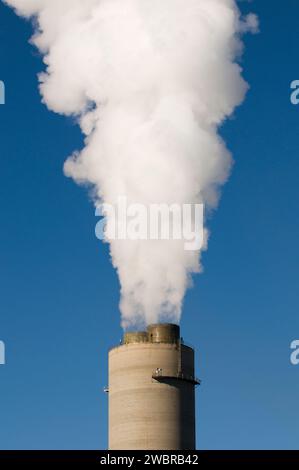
[{"x": 59, "y": 293}]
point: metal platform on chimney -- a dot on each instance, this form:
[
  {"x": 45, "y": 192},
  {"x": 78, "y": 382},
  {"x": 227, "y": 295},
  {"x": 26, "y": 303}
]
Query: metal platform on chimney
[{"x": 160, "y": 376}]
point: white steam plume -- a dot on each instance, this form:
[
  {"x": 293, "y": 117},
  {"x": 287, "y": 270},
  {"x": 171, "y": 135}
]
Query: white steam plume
[{"x": 151, "y": 81}]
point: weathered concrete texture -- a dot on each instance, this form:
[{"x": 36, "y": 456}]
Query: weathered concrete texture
[{"x": 146, "y": 412}]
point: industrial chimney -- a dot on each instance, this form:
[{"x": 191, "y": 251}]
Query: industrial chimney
[{"x": 151, "y": 391}]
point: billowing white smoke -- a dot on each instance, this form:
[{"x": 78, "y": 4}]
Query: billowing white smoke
[{"x": 150, "y": 81}]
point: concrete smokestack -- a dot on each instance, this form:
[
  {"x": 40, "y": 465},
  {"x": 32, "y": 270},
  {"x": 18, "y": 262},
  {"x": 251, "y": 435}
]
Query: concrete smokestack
[{"x": 151, "y": 391}]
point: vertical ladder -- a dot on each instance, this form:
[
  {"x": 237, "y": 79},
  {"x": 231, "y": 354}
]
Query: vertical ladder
[{"x": 179, "y": 357}]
